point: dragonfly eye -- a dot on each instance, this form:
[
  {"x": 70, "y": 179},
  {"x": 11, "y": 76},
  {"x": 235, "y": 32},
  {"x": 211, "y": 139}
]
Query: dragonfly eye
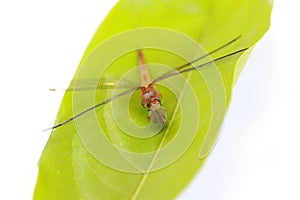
[{"x": 158, "y": 100}]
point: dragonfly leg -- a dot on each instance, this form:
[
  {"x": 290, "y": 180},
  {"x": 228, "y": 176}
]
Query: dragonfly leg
[
  {"x": 163, "y": 109},
  {"x": 149, "y": 114}
]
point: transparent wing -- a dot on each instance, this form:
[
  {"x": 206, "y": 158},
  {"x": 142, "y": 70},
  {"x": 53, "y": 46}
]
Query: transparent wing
[
  {"x": 94, "y": 84},
  {"x": 93, "y": 107},
  {"x": 207, "y": 65},
  {"x": 181, "y": 67}
]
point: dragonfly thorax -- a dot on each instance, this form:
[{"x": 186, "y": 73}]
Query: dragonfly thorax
[
  {"x": 151, "y": 101},
  {"x": 150, "y": 97}
]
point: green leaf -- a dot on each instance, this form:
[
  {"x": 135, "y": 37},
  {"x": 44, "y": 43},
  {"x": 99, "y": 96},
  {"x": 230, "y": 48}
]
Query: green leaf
[{"x": 114, "y": 152}]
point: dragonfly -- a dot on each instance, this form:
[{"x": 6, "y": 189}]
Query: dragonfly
[{"x": 151, "y": 98}]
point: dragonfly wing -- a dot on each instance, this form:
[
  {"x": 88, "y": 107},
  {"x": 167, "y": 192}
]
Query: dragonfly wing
[
  {"x": 95, "y": 84},
  {"x": 207, "y": 65},
  {"x": 207, "y": 55},
  {"x": 93, "y": 107}
]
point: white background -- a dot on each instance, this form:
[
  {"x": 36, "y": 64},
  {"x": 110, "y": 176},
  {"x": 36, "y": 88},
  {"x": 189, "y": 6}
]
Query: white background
[{"x": 257, "y": 157}]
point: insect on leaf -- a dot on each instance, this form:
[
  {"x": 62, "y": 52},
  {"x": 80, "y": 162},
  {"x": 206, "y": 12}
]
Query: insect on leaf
[{"x": 112, "y": 151}]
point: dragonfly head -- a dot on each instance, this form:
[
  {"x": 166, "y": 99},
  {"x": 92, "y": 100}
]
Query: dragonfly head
[
  {"x": 154, "y": 104},
  {"x": 155, "y": 107},
  {"x": 156, "y": 112}
]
